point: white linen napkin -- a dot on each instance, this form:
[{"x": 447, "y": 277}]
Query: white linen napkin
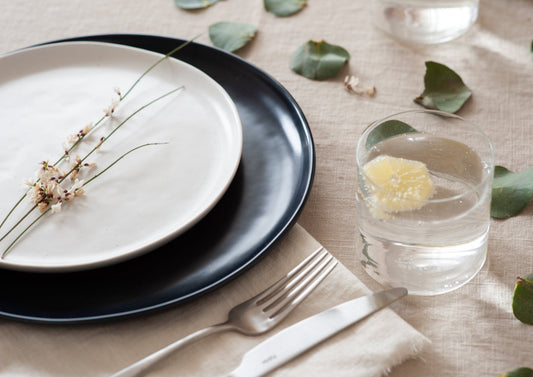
[{"x": 370, "y": 348}]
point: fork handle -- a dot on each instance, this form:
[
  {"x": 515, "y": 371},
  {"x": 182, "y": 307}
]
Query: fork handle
[{"x": 136, "y": 368}]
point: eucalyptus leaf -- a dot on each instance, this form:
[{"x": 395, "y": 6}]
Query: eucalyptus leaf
[
  {"x": 520, "y": 372},
  {"x": 318, "y": 60},
  {"x": 523, "y": 299},
  {"x": 386, "y": 130},
  {"x": 284, "y": 8},
  {"x": 231, "y": 36},
  {"x": 195, "y": 4},
  {"x": 511, "y": 192},
  {"x": 444, "y": 89}
]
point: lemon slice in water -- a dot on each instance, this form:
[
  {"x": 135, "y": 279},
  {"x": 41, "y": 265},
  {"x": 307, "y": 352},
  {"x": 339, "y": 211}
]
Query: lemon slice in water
[{"x": 398, "y": 184}]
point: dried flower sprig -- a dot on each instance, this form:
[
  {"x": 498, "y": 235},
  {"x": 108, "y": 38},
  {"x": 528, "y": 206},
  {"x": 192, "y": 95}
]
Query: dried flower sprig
[
  {"x": 74, "y": 140},
  {"x": 46, "y": 191},
  {"x": 49, "y": 177},
  {"x": 57, "y": 195}
]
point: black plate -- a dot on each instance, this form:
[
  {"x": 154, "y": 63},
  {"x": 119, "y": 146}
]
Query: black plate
[{"x": 261, "y": 205}]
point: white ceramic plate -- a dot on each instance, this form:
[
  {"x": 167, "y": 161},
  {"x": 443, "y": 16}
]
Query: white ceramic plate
[{"x": 149, "y": 197}]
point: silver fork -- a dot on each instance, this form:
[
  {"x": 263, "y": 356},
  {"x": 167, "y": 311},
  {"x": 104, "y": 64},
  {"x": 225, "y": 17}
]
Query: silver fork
[{"x": 258, "y": 314}]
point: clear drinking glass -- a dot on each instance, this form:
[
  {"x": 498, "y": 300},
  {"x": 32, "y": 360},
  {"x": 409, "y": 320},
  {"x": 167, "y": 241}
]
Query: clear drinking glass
[
  {"x": 423, "y": 200},
  {"x": 424, "y": 21}
]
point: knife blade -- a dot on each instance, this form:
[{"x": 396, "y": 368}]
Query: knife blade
[{"x": 298, "y": 338}]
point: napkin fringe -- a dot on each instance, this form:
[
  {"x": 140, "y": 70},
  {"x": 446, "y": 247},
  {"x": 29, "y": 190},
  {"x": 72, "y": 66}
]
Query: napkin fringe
[{"x": 415, "y": 349}]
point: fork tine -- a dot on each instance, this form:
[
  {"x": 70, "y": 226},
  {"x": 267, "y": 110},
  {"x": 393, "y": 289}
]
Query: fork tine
[
  {"x": 295, "y": 279},
  {"x": 327, "y": 268},
  {"x": 280, "y": 284},
  {"x": 291, "y": 297}
]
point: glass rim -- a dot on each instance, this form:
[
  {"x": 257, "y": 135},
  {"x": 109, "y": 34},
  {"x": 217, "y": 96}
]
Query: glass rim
[{"x": 372, "y": 125}]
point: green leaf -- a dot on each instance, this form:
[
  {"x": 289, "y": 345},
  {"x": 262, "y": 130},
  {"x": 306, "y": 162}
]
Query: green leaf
[
  {"x": 444, "y": 89},
  {"x": 523, "y": 299},
  {"x": 520, "y": 372},
  {"x": 195, "y": 4},
  {"x": 231, "y": 36},
  {"x": 284, "y": 8},
  {"x": 387, "y": 129},
  {"x": 318, "y": 60},
  {"x": 511, "y": 192}
]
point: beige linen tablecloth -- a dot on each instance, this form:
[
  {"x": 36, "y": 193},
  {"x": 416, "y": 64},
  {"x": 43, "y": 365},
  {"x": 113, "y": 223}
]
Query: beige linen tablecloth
[{"x": 473, "y": 331}]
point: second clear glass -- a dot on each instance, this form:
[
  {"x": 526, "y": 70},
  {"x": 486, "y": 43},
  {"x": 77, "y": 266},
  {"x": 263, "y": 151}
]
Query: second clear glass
[{"x": 424, "y": 21}]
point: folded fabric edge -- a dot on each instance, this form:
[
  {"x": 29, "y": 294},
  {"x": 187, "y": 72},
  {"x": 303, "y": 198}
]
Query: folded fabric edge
[{"x": 415, "y": 349}]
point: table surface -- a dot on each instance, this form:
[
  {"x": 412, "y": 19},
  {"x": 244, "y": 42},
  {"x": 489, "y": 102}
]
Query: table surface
[{"x": 472, "y": 329}]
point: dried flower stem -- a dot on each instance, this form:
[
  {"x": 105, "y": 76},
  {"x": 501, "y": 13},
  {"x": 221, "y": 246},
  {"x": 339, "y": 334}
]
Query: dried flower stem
[
  {"x": 118, "y": 159},
  {"x": 6, "y": 251},
  {"x": 18, "y": 222},
  {"x": 100, "y": 121},
  {"x": 122, "y": 97},
  {"x": 104, "y": 139},
  {"x": 155, "y": 64},
  {"x": 13, "y": 209}
]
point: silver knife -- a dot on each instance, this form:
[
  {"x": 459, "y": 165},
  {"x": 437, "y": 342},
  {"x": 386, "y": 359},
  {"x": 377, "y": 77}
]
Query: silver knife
[{"x": 298, "y": 338}]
